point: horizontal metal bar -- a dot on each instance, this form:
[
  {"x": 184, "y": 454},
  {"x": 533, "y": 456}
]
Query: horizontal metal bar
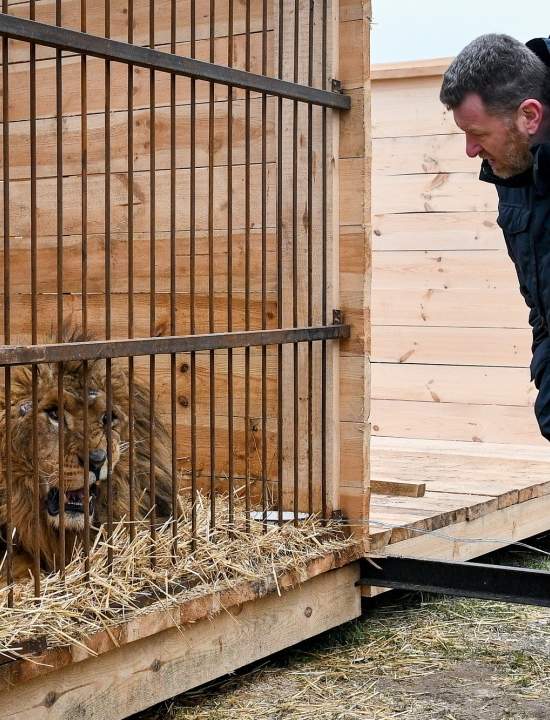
[
  {"x": 465, "y": 579},
  {"x": 96, "y": 349},
  {"x": 72, "y": 41}
]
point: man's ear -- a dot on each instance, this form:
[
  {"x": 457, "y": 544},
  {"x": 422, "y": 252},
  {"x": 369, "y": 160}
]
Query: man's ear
[{"x": 530, "y": 115}]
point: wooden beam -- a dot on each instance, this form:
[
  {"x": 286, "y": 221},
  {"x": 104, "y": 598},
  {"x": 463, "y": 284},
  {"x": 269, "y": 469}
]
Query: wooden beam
[
  {"x": 136, "y": 676},
  {"x": 468, "y": 539},
  {"x": 404, "y": 488},
  {"x": 410, "y": 68}
]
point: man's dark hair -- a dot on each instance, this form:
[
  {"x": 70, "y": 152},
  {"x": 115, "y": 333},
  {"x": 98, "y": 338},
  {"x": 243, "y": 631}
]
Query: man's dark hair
[{"x": 501, "y": 70}]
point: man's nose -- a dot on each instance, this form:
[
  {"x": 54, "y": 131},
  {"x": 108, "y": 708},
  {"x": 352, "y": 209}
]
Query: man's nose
[{"x": 473, "y": 148}]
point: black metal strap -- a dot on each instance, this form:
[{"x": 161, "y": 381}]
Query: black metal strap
[
  {"x": 477, "y": 580},
  {"x": 97, "y": 349},
  {"x": 73, "y": 41}
]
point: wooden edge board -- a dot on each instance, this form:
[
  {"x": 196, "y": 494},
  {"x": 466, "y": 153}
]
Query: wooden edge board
[
  {"x": 405, "y": 488},
  {"x": 410, "y": 68},
  {"x": 190, "y": 611},
  {"x": 470, "y": 538},
  {"x": 134, "y": 677}
]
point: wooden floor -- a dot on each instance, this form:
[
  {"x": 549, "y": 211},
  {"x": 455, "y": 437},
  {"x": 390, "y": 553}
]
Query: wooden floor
[{"x": 477, "y": 496}]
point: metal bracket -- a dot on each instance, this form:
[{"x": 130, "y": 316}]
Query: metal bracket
[
  {"x": 337, "y": 317},
  {"x": 336, "y": 86},
  {"x": 465, "y": 579}
]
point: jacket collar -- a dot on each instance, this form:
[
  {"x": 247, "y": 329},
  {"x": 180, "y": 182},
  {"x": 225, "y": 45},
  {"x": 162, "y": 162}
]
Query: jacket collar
[{"x": 538, "y": 175}]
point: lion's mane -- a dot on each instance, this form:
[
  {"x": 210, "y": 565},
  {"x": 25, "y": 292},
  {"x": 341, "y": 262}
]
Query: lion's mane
[{"x": 22, "y": 467}]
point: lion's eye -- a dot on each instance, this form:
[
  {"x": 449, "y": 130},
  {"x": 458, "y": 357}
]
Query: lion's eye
[
  {"x": 105, "y": 419},
  {"x": 52, "y": 413}
]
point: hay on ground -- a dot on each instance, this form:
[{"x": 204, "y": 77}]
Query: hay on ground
[{"x": 72, "y": 608}]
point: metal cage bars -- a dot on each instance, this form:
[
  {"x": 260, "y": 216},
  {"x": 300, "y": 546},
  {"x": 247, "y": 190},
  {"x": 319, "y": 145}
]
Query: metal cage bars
[{"x": 176, "y": 66}]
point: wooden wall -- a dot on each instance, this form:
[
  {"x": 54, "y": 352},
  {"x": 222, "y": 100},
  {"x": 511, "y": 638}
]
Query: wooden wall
[
  {"x": 451, "y": 343},
  {"x": 348, "y": 153}
]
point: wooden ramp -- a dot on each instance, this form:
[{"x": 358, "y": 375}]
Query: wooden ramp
[{"x": 478, "y": 497}]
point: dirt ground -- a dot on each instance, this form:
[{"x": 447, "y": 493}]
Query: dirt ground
[{"x": 410, "y": 657}]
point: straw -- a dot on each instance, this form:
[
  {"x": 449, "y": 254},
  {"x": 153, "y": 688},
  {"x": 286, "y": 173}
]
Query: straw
[{"x": 72, "y": 608}]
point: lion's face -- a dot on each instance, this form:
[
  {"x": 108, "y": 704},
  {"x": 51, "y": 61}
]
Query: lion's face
[{"x": 49, "y": 427}]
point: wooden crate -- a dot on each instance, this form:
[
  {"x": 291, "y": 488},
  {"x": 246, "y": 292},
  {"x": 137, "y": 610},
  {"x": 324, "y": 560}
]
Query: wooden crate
[{"x": 348, "y": 287}]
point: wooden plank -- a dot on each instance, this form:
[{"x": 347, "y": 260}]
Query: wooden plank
[
  {"x": 450, "y": 421},
  {"x": 486, "y": 308},
  {"x": 47, "y": 148},
  {"x": 20, "y": 265},
  {"x": 499, "y": 347},
  {"x": 436, "y": 510},
  {"x": 96, "y": 306},
  {"x": 453, "y": 384},
  {"x": 511, "y": 481},
  {"x": 467, "y": 540},
  {"x": 45, "y": 12},
  {"x": 45, "y": 78},
  {"x": 406, "y": 488},
  {"x": 422, "y": 154},
  {"x": 437, "y": 231},
  {"x": 410, "y": 68},
  {"x": 354, "y": 70},
  {"x": 352, "y": 225},
  {"x": 427, "y": 270},
  {"x": 148, "y": 671},
  {"x": 470, "y": 539},
  {"x": 496, "y": 451},
  {"x": 424, "y": 115},
  {"x": 433, "y": 192},
  {"x": 46, "y": 191}
]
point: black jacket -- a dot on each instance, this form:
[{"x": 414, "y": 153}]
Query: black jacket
[{"x": 524, "y": 216}]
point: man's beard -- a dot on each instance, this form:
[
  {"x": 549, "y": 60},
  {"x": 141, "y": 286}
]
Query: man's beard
[{"x": 517, "y": 157}]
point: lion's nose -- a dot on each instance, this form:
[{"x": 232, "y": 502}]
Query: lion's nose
[{"x": 96, "y": 460}]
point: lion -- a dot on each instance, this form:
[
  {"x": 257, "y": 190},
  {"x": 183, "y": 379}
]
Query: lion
[{"x": 48, "y": 420}]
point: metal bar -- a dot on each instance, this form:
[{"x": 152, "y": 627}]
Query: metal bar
[
  {"x": 84, "y": 286},
  {"x": 131, "y": 437},
  {"x": 98, "y": 349},
  {"x": 192, "y": 269},
  {"x": 280, "y": 272},
  {"x": 60, "y": 367},
  {"x": 173, "y": 328},
  {"x": 107, "y": 259},
  {"x": 310, "y": 269},
  {"x": 211, "y": 275},
  {"x": 7, "y": 305},
  {"x": 324, "y": 269},
  {"x": 465, "y": 579},
  {"x": 152, "y": 284},
  {"x": 34, "y": 311},
  {"x": 264, "y": 269},
  {"x": 247, "y": 275},
  {"x": 70, "y": 40},
  {"x": 296, "y": 388},
  {"x": 231, "y": 508}
]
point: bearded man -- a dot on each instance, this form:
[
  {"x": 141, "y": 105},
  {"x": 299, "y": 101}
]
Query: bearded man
[{"x": 499, "y": 92}]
